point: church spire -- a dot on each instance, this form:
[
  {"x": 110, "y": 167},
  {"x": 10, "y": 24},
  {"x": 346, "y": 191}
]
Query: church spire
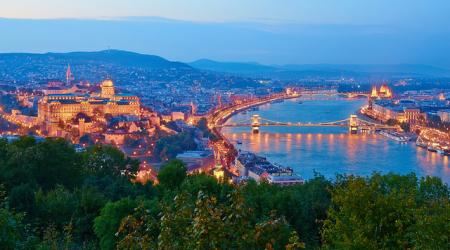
[{"x": 69, "y": 75}]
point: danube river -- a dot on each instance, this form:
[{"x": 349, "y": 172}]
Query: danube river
[{"x": 330, "y": 150}]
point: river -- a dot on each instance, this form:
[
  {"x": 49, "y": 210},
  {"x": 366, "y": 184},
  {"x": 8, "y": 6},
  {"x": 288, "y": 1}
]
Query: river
[{"x": 330, "y": 150}]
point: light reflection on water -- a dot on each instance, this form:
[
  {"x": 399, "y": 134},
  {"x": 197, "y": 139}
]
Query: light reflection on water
[{"x": 332, "y": 150}]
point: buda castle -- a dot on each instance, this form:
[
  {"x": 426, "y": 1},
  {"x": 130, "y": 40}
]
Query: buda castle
[{"x": 66, "y": 107}]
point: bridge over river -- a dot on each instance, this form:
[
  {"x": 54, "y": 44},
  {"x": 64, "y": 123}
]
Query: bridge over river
[{"x": 354, "y": 124}]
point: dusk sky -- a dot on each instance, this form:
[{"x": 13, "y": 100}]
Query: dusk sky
[{"x": 265, "y": 31}]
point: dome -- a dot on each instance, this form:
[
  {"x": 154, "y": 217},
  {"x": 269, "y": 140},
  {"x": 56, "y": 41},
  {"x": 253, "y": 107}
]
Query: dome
[{"x": 107, "y": 83}]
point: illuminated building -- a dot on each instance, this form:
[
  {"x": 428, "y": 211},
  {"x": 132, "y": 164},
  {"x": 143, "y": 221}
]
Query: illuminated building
[
  {"x": 219, "y": 173},
  {"x": 259, "y": 168},
  {"x": 444, "y": 115},
  {"x": 176, "y": 115},
  {"x": 56, "y": 108},
  {"x": 383, "y": 93},
  {"x": 374, "y": 93},
  {"x": 115, "y": 137},
  {"x": 401, "y": 111}
]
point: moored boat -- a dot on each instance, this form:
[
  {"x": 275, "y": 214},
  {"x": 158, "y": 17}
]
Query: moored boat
[
  {"x": 394, "y": 136},
  {"x": 431, "y": 149},
  {"x": 421, "y": 144}
]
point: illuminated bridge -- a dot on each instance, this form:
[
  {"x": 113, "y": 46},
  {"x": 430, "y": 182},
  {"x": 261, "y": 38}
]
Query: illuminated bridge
[{"x": 353, "y": 123}]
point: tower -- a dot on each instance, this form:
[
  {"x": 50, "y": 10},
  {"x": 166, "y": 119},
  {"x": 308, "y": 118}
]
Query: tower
[
  {"x": 108, "y": 90},
  {"x": 374, "y": 93},
  {"x": 193, "y": 108},
  {"x": 255, "y": 123},
  {"x": 353, "y": 124},
  {"x": 69, "y": 76},
  {"x": 81, "y": 126}
]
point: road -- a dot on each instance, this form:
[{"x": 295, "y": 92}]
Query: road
[{"x": 224, "y": 150}]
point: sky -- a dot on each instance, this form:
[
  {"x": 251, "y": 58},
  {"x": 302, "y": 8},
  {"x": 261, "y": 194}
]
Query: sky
[{"x": 265, "y": 31}]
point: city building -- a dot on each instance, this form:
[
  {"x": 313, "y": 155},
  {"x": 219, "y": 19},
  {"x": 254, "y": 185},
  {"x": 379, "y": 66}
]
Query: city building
[
  {"x": 56, "y": 108},
  {"x": 383, "y": 93},
  {"x": 444, "y": 115},
  {"x": 404, "y": 110},
  {"x": 259, "y": 168}
]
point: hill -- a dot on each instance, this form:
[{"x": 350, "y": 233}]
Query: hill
[
  {"x": 119, "y": 57},
  {"x": 292, "y": 71},
  {"x": 93, "y": 66}
]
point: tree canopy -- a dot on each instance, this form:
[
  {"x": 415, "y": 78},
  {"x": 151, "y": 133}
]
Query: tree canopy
[{"x": 52, "y": 197}]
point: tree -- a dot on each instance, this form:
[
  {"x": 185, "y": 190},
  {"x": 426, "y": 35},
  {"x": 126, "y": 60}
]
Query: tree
[
  {"x": 385, "y": 212},
  {"x": 140, "y": 230},
  {"x": 391, "y": 122},
  {"x": 49, "y": 163},
  {"x": 202, "y": 124},
  {"x": 107, "y": 224},
  {"x": 405, "y": 126},
  {"x": 11, "y": 228},
  {"x": 175, "y": 222},
  {"x": 205, "y": 183},
  {"x": 90, "y": 202},
  {"x": 22, "y": 199},
  {"x": 56, "y": 207},
  {"x": 105, "y": 160},
  {"x": 208, "y": 228},
  {"x": 294, "y": 242},
  {"x": 172, "y": 174},
  {"x": 167, "y": 148}
]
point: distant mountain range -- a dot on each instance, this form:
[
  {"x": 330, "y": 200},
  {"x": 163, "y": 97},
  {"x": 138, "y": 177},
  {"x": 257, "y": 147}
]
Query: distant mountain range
[
  {"x": 129, "y": 66},
  {"x": 305, "y": 70}
]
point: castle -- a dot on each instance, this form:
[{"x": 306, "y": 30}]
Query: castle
[{"x": 56, "y": 108}]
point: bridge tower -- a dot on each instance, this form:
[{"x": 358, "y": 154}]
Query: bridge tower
[
  {"x": 255, "y": 123},
  {"x": 353, "y": 124}
]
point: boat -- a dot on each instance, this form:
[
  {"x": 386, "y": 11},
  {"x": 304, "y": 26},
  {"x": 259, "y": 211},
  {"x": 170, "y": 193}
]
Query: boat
[
  {"x": 300, "y": 102},
  {"x": 393, "y": 135},
  {"x": 239, "y": 142},
  {"x": 278, "y": 101},
  {"x": 431, "y": 149},
  {"x": 440, "y": 151},
  {"x": 421, "y": 144}
]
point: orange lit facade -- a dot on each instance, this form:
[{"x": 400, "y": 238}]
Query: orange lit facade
[
  {"x": 383, "y": 93},
  {"x": 56, "y": 108}
]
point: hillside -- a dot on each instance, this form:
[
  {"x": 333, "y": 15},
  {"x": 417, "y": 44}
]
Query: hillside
[
  {"x": 293, "y": 71},
  {"x": 92, "y": 66}
]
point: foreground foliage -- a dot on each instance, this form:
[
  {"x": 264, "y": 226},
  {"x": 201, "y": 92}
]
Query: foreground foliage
[{"x": 54, "y": 198}]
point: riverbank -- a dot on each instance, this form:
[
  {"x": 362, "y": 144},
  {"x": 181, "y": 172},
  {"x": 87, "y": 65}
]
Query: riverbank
[{"x": 224, "y": 150}]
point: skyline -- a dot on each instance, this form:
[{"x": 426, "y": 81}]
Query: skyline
[{"x": 296, "y": 32}]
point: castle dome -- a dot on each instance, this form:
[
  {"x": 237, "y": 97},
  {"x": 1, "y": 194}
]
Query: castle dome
[{"x": 107, "y": 83}]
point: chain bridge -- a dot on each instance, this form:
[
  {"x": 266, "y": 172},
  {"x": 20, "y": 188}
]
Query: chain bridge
[{"x": 354, "y": 124}]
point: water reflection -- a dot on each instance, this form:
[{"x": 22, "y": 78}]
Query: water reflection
[{"x": 332, "y": 150}]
